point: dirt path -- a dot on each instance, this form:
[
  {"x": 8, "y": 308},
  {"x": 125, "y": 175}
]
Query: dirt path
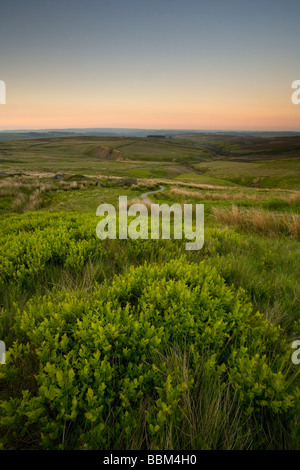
[{"x": 144, "y": 196}]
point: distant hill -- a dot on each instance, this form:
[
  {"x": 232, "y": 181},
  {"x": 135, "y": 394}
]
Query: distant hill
[
  {"x": 24, "y": 134},
  {"x": 202, "y": 158}
]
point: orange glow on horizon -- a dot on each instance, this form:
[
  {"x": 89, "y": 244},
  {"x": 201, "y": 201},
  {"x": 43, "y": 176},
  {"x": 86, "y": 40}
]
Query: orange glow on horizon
[{"x": 240, "y": 112}]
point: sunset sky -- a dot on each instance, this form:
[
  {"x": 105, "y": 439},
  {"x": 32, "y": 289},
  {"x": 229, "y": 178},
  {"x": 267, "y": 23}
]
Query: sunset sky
[{"x": 189, "y": 64}]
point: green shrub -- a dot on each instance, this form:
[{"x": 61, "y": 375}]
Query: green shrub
[{"x": 92, "y": 373}]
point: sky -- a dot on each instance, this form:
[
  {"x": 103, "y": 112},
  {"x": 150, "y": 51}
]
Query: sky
[{"x": 167, "y": 64}]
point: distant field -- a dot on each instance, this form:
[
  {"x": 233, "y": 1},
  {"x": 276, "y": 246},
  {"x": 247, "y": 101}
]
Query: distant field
[
  {"x": 273, "y": 173},
  {"x": 211, "y": 159},
  {"x": 79, "y": 173}
]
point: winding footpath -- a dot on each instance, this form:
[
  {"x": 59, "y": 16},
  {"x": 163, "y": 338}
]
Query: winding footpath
[{"x": 145, "y": 197}]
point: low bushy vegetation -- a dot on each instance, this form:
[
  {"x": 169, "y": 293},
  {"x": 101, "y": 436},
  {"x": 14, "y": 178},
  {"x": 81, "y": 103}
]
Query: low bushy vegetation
[{"x": 141, "y": 345}]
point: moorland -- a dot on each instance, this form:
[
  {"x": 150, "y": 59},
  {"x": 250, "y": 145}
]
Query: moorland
[{"x": 140, "y": 344}]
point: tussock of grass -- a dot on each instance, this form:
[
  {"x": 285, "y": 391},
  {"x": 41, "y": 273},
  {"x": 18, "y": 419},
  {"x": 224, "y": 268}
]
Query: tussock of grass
[
  {"x": 218, "y": 196},
  {"x": 145, "y": 202},
  {"x": 293, "y": 198},
  {"x": 28, "y": 202},
  {"x": 145, "y": 184},
  {"x": 29, "y": 195},
  {"x": 259, "y": 221}
]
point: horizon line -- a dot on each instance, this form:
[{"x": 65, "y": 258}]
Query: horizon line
[{"x": 150, "y": 128}]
